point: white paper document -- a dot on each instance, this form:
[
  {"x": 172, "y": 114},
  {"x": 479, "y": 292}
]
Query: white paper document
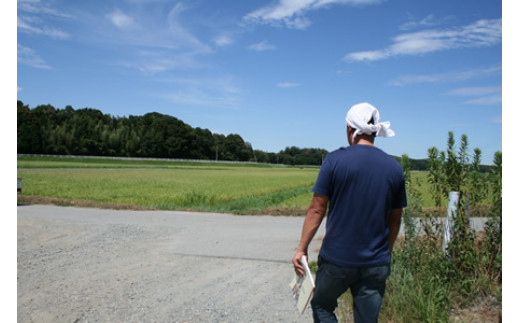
[{"x": 303, "y": 286}]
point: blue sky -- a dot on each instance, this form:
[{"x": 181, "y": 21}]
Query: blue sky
[{"x": 279, "y": 73}]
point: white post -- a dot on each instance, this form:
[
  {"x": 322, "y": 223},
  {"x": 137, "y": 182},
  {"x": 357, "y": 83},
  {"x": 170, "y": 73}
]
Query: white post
[{"x": 450, "y": 219}]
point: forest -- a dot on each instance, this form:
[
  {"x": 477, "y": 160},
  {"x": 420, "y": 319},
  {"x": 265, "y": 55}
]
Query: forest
[{"x": 89, "y": 132}]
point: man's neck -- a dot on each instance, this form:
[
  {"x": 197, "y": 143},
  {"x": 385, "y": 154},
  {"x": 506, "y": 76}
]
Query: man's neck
[{"x": 363, "y": 140}]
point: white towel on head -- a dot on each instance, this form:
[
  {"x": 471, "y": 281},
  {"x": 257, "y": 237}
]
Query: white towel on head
[{"x": 360, "y": 114}]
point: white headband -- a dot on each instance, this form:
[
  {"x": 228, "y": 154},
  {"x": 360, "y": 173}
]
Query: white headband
[{"x": 360, "y": 114}]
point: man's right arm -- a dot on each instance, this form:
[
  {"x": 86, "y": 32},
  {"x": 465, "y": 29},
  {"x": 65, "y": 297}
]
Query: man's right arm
[{"x": 314, "y": 217}]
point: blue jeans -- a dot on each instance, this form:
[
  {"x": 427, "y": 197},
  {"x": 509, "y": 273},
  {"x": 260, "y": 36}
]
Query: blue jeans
[{"x": 367, "y": 285}]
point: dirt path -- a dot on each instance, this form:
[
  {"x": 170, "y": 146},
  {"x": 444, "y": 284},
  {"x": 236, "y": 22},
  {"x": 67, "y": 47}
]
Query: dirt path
[
  {"x": 92, "y": 265},
  {"x": 79, "y": 265}
]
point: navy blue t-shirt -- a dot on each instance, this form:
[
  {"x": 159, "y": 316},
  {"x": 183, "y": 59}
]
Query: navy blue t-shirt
[{"x": 363, "y": 184}]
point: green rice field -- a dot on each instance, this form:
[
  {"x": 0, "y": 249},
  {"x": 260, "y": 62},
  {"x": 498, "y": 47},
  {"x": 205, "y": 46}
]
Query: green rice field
[
  {"x": 176, "y": 185},
  {"x": 169, "y": 185}
]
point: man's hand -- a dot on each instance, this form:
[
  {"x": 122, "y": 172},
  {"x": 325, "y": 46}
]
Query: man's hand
[{"x": 298, "y": 268}]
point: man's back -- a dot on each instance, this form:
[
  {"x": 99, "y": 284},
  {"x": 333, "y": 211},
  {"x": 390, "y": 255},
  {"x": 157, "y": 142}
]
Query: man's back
[
  {"x": 363, "y": 184},
  {"x": 364, "y": 190}
]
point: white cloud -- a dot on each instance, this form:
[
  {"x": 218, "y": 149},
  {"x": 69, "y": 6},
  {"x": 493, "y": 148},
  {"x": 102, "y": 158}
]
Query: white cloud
[
  {"x": 479, "y": 34},
  {"x": 222, "y": 40},
  {"x": 486, "y": 100},
  {"x": 291, "y": 13},
  {"x": 155, "y": 61},
  {"x": 39, "y": 8},
  {"x": 27, "y": 56},
  {"x": 31, "y": 15},
  {"x": 490, "y": 95},
  {"x": 154, "y": 44},
  {"x": 367, "y": 56},
  {"x": 150, "y": 29},
  {"x": 262, "y": 46},
  {"x": 456, "y": 76},
  {"x": 474, "y": 91},
  {"x": 425, "y": 22},
  {"x": 120, "y": 20},
  {"x": 180, "y": 35},
  {"x": 213, "y": 92},
  {"x": 27, "y": 25},
  {"x": 283, "y": 12}
]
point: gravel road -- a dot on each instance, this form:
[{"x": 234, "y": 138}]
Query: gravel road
[{"x": 91, "y": 265}]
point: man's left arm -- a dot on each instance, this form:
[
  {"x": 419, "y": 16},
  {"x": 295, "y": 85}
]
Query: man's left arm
[{"x": 394, "y": 224}]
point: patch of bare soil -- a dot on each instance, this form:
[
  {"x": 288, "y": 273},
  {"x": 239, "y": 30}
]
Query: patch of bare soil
[
  {"x": 43, "y": 200},
  {"x": 484, "y": 313}
]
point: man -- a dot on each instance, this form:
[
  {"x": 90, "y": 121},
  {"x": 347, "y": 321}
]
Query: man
[{"x": 365, "y": 193}]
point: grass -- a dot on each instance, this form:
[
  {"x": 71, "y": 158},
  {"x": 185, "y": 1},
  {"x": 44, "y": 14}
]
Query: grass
[
  {"x": 426, "y": 286},
  {"x": 168, "y": 185},
  {"x": 177, "y": 185}
]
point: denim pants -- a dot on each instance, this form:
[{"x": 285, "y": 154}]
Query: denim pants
[{"x": 367, "y": 285}]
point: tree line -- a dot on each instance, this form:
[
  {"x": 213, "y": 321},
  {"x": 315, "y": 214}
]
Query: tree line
[
  {"x": 47, "y": 130},
  {"x": 89, "y": 132}
]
